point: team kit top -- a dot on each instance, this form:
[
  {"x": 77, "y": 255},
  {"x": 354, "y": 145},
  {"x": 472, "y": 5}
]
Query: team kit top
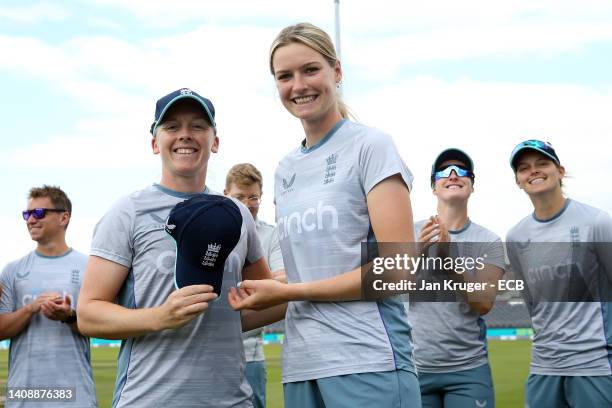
[
  {"x": 322, "y": 219},
  {"x": 253, "y": 341},
  {"x": 200, "y": 364},
  {"x": 268, "y": 236},
  {"x": 575, "y": 338},
  {"x": 450, "y": 336},
  {"x": 47, "y": 353}
]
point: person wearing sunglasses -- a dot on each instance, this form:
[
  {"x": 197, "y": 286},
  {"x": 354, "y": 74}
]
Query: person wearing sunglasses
[
  {"x": 37, "y": 307},
  {"x": 245, "y": 183},
  {"x": 450, "y": 346},
  {"x": 562, "y": 247}
]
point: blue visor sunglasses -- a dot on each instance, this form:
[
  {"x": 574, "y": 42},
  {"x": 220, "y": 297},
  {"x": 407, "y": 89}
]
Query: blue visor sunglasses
[
  {"x": 543, "y": 147},
  {"x": 446, "y": 172}
]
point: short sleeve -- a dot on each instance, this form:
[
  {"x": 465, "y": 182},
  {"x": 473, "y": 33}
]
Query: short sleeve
[
  {"x": 494, "y": 251},
  {"x": 113, "y": 235},
  {"x": 379, "y": 159},
  {"x": 7, "y": 300},
  {"x": 276, "y": 257},
  {"x": 254, "y": 248},
  {"x": 602, "y": 238}
]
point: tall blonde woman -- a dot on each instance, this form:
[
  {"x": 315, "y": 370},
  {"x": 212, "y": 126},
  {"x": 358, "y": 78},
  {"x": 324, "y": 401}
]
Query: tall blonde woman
[{"x": 345, "y": 184}]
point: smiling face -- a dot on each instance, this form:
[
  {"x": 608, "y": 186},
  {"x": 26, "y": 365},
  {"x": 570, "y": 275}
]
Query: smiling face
[
  {"x": 537, "y": 174},
  {"x": 249, "y": 195},
  {"x": 49, "y": 228},
  {"x": 184, "y": 140},
  {"x": 453, "y": 188},
  {"x": 306, "y": 83}
]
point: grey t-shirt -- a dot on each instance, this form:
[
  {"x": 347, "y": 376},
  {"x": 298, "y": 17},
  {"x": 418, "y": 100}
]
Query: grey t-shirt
[
  {"x": 253, "y": 339},
  {"x": 450, "y": 336},
  {"x": 200, "y": 364},
  {"x": 322, "y": 219},
  {"x": 570, "y": 338},
  {"x": 47, "y": 353}
]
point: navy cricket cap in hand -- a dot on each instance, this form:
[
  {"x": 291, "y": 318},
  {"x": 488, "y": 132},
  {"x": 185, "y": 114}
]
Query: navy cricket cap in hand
[{"x": 206, "y": 229}]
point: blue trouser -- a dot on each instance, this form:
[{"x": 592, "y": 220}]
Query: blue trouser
[
  {"x": 256, "y": 376},
  {"x": 559, "y": 391},
  {"x": 459, "y": 389},
  {"x": 388, "y": 389}
]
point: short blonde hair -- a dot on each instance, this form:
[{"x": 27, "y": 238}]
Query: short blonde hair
[{"x": 243, "y": 174}]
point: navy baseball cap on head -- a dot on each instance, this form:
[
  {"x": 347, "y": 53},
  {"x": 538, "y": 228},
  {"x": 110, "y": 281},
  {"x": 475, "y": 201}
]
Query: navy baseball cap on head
[
  {"x": 163, "y": 104},
  {"x": 452, "y": 154},
  {"x": 539, "y": 146},
  {"x": 206, "y": 228}
]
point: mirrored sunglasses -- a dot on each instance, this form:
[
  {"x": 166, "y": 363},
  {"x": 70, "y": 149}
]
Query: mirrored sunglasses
[{"x": 446, "y": 172}]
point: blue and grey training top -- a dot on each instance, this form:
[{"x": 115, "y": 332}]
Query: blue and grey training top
[
  {"x": 200, "y": 364},
  {"x": 450, "y": 336},
  {"x": 47, "y": 353},
  {"x": 322, "y": 219},
  {"x": 570, "y": 338}
]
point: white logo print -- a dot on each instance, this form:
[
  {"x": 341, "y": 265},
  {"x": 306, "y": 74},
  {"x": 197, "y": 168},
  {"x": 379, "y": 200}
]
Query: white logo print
[
  {"x": 481, "y": 404},
  {"x": 330, "y": 170},
  {"x": 171, "y": 226},
  {"x": 309, "y": 220},
  {"x": 211, "y": 255},
  {"x": 186, "y": 91}
]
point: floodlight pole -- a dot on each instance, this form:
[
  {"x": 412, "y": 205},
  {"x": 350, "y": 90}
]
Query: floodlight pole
[{"x": 337, "y": 26}]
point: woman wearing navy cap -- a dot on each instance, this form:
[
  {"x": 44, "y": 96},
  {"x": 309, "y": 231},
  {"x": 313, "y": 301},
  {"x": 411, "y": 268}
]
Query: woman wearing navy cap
[
  {"x": 450, "y": 342},
  {"x": 556, "y": 249}
]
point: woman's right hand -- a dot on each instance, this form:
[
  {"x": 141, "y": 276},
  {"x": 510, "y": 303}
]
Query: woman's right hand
[{"x": 258, "y": 294}]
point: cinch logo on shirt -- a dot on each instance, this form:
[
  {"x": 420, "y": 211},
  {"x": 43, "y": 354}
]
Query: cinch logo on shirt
[{"x": 315, "y": 218}]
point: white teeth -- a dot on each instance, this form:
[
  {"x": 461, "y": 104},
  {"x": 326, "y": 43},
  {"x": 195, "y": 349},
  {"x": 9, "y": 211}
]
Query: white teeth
[
  {"x": 539, "y": 180},
  {"x": 453, "y": 187},
  {"x": 184, "y": 151},
  {"x": 304, "y": 99}
]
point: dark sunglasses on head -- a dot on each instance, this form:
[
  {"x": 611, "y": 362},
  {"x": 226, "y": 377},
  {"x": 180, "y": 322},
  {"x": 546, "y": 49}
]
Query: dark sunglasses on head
[
  {"x": 39, "y": 213},
  {"x": 446, "y": 172}
]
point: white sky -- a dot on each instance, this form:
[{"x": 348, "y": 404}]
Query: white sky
[{"x": 80, "y": 79}]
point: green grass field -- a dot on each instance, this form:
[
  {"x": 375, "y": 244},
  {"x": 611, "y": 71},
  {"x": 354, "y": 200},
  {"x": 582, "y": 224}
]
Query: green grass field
[{"x": 509, "y": 361}]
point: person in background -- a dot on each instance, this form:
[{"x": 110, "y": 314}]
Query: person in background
[
  {"x": 450, "y": 344},
  {"x": 556, "y": 249},
  {"x": 37, "y": 309},
  {"x": 245, "y": 184}
]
